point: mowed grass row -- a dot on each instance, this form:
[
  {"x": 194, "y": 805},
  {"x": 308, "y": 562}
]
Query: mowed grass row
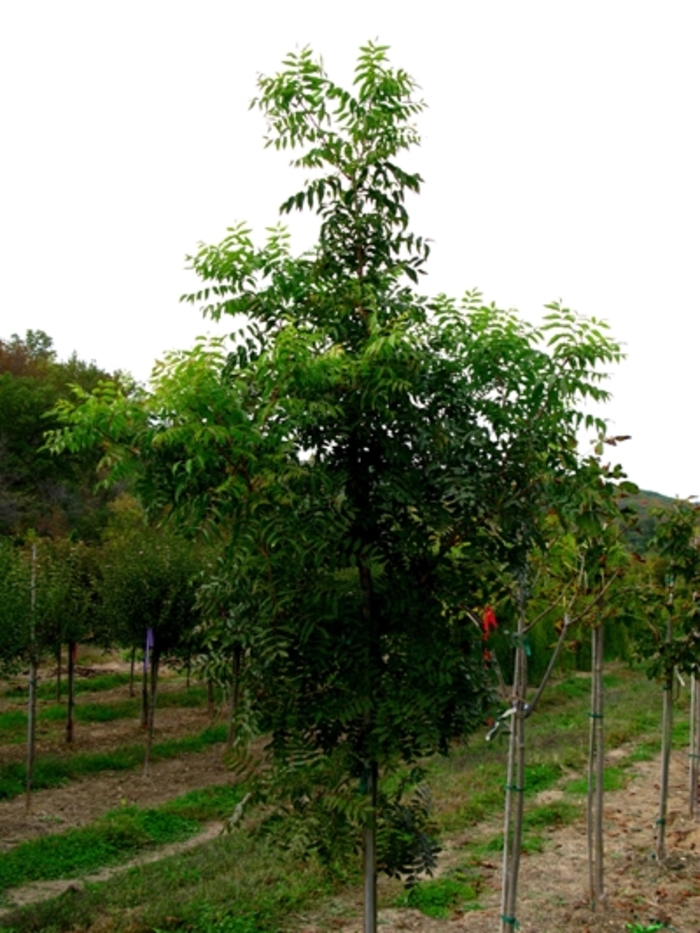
[
  {"x": 54, "y": 770},
  {"x": 13, "y": 722},
  {"x": 243, "y": 883},
  {"x": 115, "y": 837},
  {"x": 46, "y": 690}
]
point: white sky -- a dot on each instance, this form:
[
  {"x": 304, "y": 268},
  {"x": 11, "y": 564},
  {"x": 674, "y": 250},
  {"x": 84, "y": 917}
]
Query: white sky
[{"x": 561, "y": 154}]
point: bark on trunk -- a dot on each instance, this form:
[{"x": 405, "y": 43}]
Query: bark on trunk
[
  {"x": 370, "y": 854},
  {"x": 695, "y": 751},
  {"x": 59, "y": 672},
  {"x": 131, "y": 672},
  {"x": 155, "y": 658},
  {"x": 70, "y": 711}
]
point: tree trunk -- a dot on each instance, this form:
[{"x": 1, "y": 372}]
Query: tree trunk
[
  {"x": 155, "y": 658},
  {"x": 70, "y": 711},
  {"x": 31, "y": 731},
  {"x": 370, "y": 853},
  {"x": 210, "y": 699},
  {"x": 695, "y": 749},
  {"x": 600, "y": 770},
  {"x": 144, "y": 696},
  {"x": 596, "y": 774},
  {"x": 513, "y": 821},
  {"x": 131, "y": 672},
  {"x": 666, "y": 742},
  {"x": 59, "y": 671},
  {"x": 31, "y": 692}
]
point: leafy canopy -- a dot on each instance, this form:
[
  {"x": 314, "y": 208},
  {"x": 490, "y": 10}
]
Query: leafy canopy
[{"x": 364, "y": 450}]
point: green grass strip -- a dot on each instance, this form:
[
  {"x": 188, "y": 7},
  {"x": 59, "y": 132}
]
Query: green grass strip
[
  {"x": 14, "y": 722},
  {"x": 47, "y": 689},
  {"x": 115, "y": 837},
  {"x": 52, "y": 771}
]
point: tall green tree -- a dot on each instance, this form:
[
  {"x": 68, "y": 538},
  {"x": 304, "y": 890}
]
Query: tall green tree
[
  {"x": 54, "y": 497},
  {"x": 363, "y": 448}
]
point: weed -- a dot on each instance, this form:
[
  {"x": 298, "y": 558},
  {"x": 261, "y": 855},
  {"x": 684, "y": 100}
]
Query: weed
[
  {"x": 613, "y": 779},
  {"x": 439, "y": 897}
]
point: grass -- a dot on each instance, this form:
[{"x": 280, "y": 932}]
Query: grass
[
  {"x": 53, "y": 770},
  {"x": 14, "y": 722},
  {"x": 440, "y": 897},
  {"x": 234, "y": 884},
  {"x": 115, "y": 837},
  {"x": 614, "y": 778},
  {"x": 47, "y": 689},
  {"x": 243, "y": 884}
]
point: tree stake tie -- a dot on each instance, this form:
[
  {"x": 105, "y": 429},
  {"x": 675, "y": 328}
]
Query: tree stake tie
[
  {"x": 510, "y": 920},
  {"x": 520, "y": 790},
  {"x": 693, "y": 755},
  {"x": 596, "y": 715}
]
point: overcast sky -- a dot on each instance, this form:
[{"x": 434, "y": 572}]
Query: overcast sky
[{"x": 561, "y": 155}]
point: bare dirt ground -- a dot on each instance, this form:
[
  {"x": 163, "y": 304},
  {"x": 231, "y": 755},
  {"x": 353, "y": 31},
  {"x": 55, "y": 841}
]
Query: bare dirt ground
[{"x": 553, "y": 884}]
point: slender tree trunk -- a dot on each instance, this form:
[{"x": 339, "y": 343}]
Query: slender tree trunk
[
  {"x": 513, "y": 822},
  {"x": 144, "y": 697},
  {"x": 70, "y": 711},
  {"x": 210, "y": 699},
  {"x": 31, "y": 692},
  {"x": 59, "y": 671},
  {"x": 695, "y": 750},
  {"x": 600, "y": 772},
  {"x": 131, "y": 672},
  {"x": 596, "y": 775},
  {"x": 508, "y": 813},
  {"x": 234, "y": 691},
  {"x": 370, "y": 853},
  {"x": 155, "y": 659},
  {"x": 188, "y": 670},
  {"x": 666, "y": 742},
  {"x": 31, "y": 731}
]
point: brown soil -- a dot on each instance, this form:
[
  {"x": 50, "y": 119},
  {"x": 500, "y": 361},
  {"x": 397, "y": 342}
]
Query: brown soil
[{"x": 553, "y": 884}]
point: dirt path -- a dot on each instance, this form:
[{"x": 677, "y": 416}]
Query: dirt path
[
  {"x": 553, "y": 884},
  {"x": 81, "y": 801}
]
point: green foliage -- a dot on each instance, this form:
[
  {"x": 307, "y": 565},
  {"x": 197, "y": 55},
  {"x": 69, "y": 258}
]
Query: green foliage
[
  {"x": 667, "y": 593},
  {"x": 362, "y": 451},
  {"x": 36, "y": 490}
]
